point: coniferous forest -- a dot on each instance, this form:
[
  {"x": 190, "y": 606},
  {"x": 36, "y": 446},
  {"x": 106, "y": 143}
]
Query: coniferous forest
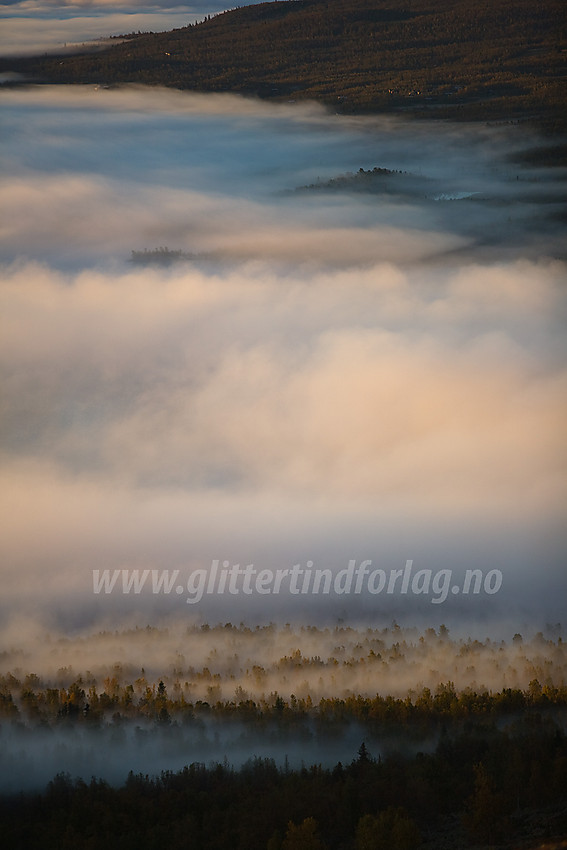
[
  {"x": 439, "y": 767},
  {"x": 280, "y": 737},
  {"x": 484, "y": 60}
]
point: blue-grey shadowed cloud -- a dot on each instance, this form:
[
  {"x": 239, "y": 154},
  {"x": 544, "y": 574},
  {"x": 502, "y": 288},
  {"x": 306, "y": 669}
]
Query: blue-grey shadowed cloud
[{"x": 325, "y": 374}]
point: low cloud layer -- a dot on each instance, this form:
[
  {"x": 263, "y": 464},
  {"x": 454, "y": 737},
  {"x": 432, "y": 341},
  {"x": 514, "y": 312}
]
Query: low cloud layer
[
  {"x": 37, "y": 26},
  {"x": 334, "y": 375}
]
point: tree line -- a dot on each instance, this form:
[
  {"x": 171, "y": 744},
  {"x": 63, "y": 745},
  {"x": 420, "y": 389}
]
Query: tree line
[
  {"x": 485, "y": 786},
  {"x": 26, "y": 702}
]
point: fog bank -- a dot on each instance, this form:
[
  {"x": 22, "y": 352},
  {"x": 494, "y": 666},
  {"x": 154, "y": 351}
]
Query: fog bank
[{"x": 319, "y": 374}]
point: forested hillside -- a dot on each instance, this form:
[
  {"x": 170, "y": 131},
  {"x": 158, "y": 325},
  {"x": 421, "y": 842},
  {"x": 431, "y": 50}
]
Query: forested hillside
[
  {"x": 489, "y": 59},
  {"x": 262, "y": 769},
  {"x": 499, "y": 782}
]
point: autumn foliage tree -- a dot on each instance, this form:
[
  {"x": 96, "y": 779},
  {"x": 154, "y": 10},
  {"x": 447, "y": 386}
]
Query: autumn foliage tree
[{"x": 303, "y": 836}]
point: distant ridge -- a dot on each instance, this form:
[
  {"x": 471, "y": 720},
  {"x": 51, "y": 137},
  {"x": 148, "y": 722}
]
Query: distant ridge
[{"x": 491, "y": 59}]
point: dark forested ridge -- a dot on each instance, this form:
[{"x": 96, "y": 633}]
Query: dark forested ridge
[
  {"x": 491, "y": 59},
  {"x": 487, "y": 787},
  {"x": 435, "y": 769}
]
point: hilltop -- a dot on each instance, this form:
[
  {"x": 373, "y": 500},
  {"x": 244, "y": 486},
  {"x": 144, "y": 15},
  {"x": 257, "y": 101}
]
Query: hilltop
[{"x": 492, "y": 59}]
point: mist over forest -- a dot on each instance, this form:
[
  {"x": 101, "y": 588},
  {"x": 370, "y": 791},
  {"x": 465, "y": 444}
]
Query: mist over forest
[
  {"x": 147, "y": 699},
  {"x": 259, "y": 334}
]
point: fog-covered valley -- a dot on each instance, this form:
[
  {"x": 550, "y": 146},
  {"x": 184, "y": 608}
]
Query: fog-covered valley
[
  {"x": 354, "y": 352},
  {"x": 339, "y": 374}
]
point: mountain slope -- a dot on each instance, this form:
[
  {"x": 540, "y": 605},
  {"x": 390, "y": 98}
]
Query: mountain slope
[{"x": 491, "y": 58}]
